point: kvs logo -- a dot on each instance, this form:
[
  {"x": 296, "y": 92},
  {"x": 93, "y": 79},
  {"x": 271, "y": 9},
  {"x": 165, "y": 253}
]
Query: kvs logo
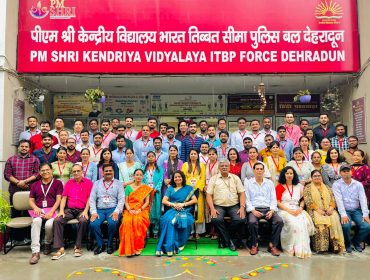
[
  {"x": 56, "y": 10},
  {"x": 328, "y": 13}
]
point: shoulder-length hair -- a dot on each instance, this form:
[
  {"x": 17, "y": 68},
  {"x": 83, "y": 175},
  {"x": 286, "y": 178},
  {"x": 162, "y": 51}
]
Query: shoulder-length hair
[
  {"x": 329, "y": 159},
  {"x": 147, "y": 164},
  {"x": 237, "y": 155},
  {"x": 101, "y": 161},
  {"x": 197, "y": 164},
  {"x": 282, "y": 179},
  {"x": 172, "y": 183}
]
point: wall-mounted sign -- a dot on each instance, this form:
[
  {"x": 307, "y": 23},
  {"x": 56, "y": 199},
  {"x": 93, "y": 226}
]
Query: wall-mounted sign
[
  {"x": 126, "y": 105},
  {"x": 74, "y": 105},
  {"x": 18, "y": 120},
  {"x": 188, "y": 105},
  {"x": 192, "y": 36},
  {"x": 285, "y": 103},
  {"x": 359, "y": 119},
  {"x": 249, "y": 104}
]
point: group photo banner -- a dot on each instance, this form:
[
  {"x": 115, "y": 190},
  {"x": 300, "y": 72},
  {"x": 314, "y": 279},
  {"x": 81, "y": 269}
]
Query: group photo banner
[{"x": 187, "y": 37}]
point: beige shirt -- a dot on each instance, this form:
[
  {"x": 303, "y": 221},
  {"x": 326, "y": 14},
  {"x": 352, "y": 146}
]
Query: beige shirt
[{"x": 225, "y": 190}]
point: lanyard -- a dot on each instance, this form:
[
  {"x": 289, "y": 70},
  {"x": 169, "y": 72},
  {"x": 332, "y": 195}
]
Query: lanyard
[
  {"x": 157, "y": 157},
  {"x": 47, "y": 158},
  {"x": 194, "y": 169},
  {"x": 290, "y": 192},
  {"x": 289, "y": 130},
  {"x": 206, "y": 161},
  {"x": 335, "y": 169},
  {"x": 325, "y": 131},
  {"x": 340, "y": 142},
  {"x": 307, "y": 156},
  {"x": 109, "y": 186},
  {"x": 242, "y": 134},
  {"x": 210, "y": 167},
  {"x": 255, "y": 138},
  {"x": 61, "y": 169},
  {"x": 77, "y": 138},
  {"x": 127, "y": 135},
  {"x": 353, "y": 169},
  {"x": 151, "y": 172},
  {"x": 106, "y": 136},
  {"x": 193, "y": 141},
  {"x": 283, "y": 146},
  {"x": 145, "y": 144},
  {"x": 276, "y": 164},
  {"x": 300, "y": 168},
  {"x": 96, "y": 152},
  {"x": 85, "y": 168},
  {"x": 47, "y": 191},
  {"x": 224, "y": 151}
]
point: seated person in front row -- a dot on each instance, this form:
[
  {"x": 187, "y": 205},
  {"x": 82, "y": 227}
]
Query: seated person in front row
[
  {"x": 226, "y": 196},
  {"x": 352, "y": 206},
  {"x": 45, "y": 197},
  {"x": 262, "y": 204},
  {"x": 106, "y": 204},
  {"x": 177, "y": 222},
  {"x": 75, "y": 196}
]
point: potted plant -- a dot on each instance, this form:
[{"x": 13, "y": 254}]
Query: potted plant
[
  {"x": 303, "y": 96},
  {"x": 4, "y": 215},
  {"x": 35, "y": 95},
  {"x": 331, "y": 101},
  {"x": 94, "y": 95}
]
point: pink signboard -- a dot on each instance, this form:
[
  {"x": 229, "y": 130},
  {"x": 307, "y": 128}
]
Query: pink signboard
[{"x": 192, "y": 36}]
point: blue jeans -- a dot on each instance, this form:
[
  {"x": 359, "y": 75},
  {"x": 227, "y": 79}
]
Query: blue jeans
[
  {"x": 363, "y": 228},
  {"x": 104, "y": 215}
]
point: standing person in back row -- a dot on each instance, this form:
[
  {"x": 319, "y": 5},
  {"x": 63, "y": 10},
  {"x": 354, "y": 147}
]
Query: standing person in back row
[
  {"x": 152, "y": 124},
  {"x": 191, "y": 142},
  {"x": 325, "y": 129},
  {"x": 293, "y": 131},
  {"x": 130, "y": 132},
  {"x": 237, "y": 137},
  {"x": 340, "y": 140}
]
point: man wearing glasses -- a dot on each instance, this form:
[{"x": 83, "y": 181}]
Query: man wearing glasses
[{"x": 74, "y": 205}]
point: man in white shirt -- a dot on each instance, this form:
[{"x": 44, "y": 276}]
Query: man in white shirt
[
  {"x": 256, "y": 135},
  {"x": 203, "y": 156},
  {"x": 130, "y": 132},
  {"x": 267, "y": 127},
  {"x": 236, "y": 138}
]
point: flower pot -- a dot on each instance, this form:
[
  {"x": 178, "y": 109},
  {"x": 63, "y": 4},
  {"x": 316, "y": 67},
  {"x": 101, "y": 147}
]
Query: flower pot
[
  {"x": 102, "y": 99},
  {"x": 305, "y": 99}
]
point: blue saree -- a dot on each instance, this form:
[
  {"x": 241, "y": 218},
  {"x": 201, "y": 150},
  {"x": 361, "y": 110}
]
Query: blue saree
[{"x": 175, "y": 226}]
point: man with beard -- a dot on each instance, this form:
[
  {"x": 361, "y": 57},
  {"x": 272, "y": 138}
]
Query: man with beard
[
  {"x": 203, "y": 126},
  {"x": 170, "y": 140},
  {"x": 152, "y": 124},
  {"x": 236, "y": 138},
  {"x": 267, "y": 128},
  {"x": 32, "y": 129},
  {"x": 190, "y": 142},
  {"x": 93, "y": 128},
  {"x": 85, "y": 143},
  {"x": 20, "y": 171},
  {"x": 256, "y": 135},
  {"x": 46, "y": 153},
  {"x": 130, "y": 133},
  {"x": 160, "y": 155},
  {"x": 212, "y": 140},
  {"x": 183, "y": 131},
  {"x": 304, "y": 124},
  {"x": 293, "y": 131},
  {"x": 163, "y": 130},
  {"x": 118, "y": 154},
  {"x": 325, "y": 129},
  {"x": 115, "y": 123},
  {"x": 243, "y": 155},
  {"x": 107, "y": 134},
  {"x": 266, "y": 152},
  {"x": 353, "y": 146},
  {"x": 120, "y": 131},
  {"x": 78, "y": 126},
  {"x": 73, "y": 155},
  {"x": 203, "y": 155},
  {"x": 36, "y": 139},
  {"x": 96, "y": 149},
  {"x": 285, "y": 144},
  {"x": 143, "y": 145},
  {"x": 223, "y": 149},
  {"x": 340, "y": 140}
]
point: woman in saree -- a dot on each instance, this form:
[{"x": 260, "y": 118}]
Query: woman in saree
[
  {"x": 320, "y": 204},
  {"x": 361, "y": 172},
  {"x": 153, "y": 177},
  {"x": 176, "y": 223},
  {"x": 135, "y": 221},
  {"x": 170, "y": 165},
  {"x": 127, "y": 168}
]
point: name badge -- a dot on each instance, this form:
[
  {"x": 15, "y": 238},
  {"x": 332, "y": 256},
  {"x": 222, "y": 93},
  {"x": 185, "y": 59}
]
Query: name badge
[
  {"x": 292, "y": 206},
  {"x": 151, "y": 185},
  {"x": 193, "y": 182},
  {"x": 106, "y": 199},
  {"x": 44, "y": 204}
]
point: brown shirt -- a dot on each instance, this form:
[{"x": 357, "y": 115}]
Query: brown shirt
[{"x": 225, "y": 190}]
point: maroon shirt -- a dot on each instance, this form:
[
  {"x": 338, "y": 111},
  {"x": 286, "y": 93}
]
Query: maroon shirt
[
  {"x": 55, "y": 189},
  {"x": 76, "y": 157}
]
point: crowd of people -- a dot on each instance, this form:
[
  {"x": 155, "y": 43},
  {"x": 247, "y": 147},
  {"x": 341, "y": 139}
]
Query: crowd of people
[{"x": 309, "y": 184}]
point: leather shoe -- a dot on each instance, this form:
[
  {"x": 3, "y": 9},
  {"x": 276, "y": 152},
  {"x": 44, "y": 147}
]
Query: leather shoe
[
  {"x": 254, "y": 250},
  {"x": 35, "y": 258},
  {"x": 98, "y": 250},
  {"x": 358, "y": 248},
  {"x": 47, "y": 249},
  {"x": 232, "y": 246},
  {"x": 275, "y": 251},
  {"x": 110, "y": 250}
]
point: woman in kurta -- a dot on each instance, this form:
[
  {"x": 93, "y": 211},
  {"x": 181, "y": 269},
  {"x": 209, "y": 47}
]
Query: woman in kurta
[
  {"x": 298, "y": 226},
  {"x": 275, "y": 163},
  {"x": 247, "y": 167},
  {"x": 170, "y": 165},
  {"x": 106, "y": 158},
  {"x": 302, "y": 167},
  {"x": 153, "y": 177},
  {"x": 325, "y": 145},
  {"x": 361, "y": 172},
  {"x": 135, "y": 221},
  {"x": 89, "y": 169},
  {"x": 331, "y": 169},
  {"x": 304, "y": 143},
  {"x": 195, "y": 173},
  {"x": 312, "y": 145},
  {"x": 320, "y": 204},
  {"x": 235, "y": 164},
  {"x": 61, "y": 168},
  {"x": 127, "y": 168},
  {"x": 178, "y": 220}
]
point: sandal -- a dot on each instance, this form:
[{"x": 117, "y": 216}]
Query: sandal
[
  {"x": 159, "y": 253},
  {"x": 77, "y": 252},
  {"x": 56, "y": 256},
  {"x": 214, "y": 237},
  {"x": 197, "y": 236}
]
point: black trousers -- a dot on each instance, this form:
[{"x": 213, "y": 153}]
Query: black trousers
[
  {"x": 235, "y": 224},
  {"x": 276, "y": 222}
]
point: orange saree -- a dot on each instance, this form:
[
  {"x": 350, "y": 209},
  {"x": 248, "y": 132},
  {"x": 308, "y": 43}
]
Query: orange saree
[{"x": 133, "y": 229}]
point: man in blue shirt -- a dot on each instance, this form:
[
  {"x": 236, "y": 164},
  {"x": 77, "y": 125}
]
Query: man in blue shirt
[
  {"x": 352, "y": 206},
  {"x": 171, "y": 140},
  {"x": 285, "y": 144},
  {"x": 191, "y": 142},
  {"x": 46, "y": 153}
]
